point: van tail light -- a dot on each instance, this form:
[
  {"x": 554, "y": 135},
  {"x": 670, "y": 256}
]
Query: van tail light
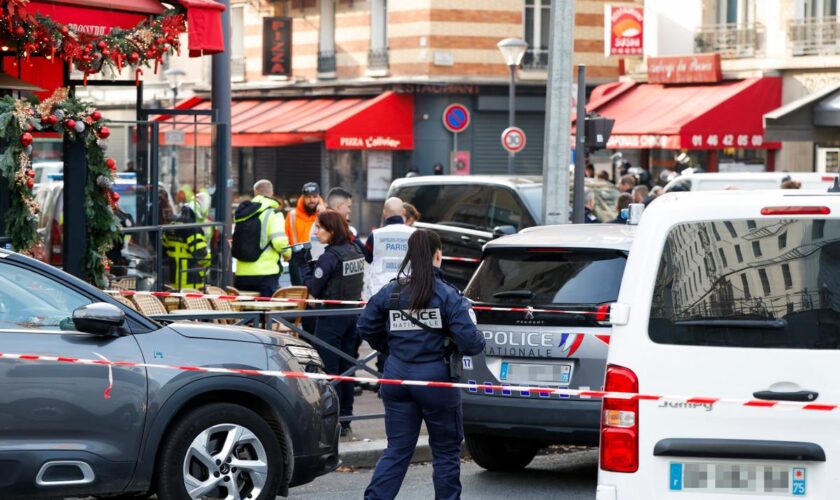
[
  {"x": 602, "y": 314},
  {"x": 795, "y": 211},
  {"x": 55, "y": 251},
  {"x": 620, "y": 422}
]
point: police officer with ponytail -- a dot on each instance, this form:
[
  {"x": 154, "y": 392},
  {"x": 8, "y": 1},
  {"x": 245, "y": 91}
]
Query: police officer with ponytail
[
  {"x": 423, "y": 322},
  {"x": 338, "y": 274}
]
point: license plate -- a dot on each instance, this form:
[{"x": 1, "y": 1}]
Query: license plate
[
  {"x": 747, "y": 479},
  {"x": 541, "y": 373}
]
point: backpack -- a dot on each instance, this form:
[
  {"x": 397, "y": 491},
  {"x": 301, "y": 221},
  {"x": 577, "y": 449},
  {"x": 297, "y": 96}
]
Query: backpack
[{"x": 247, "y": 232}]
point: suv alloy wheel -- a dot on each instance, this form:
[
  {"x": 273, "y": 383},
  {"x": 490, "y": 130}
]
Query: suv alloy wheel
[{"x": 220, "y": 451}]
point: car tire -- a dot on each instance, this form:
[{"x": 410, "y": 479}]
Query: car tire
[
  {"x": 216, "y": 447},
  {"x": 500, "y": 454}
]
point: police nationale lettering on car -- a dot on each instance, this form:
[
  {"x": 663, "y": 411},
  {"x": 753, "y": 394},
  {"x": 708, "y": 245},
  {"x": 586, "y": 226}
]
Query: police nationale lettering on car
[
  {"x": 539, "y": 344},
  {"x": 355, "y": 266},
  {"x": 429, "y": 317}
]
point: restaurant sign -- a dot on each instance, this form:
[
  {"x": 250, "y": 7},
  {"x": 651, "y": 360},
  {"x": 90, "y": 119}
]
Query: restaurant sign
[
  {"x": 277, "y": 46},
  {"x": 623, "y": 30},
  {"x": 696, "y": 68}
]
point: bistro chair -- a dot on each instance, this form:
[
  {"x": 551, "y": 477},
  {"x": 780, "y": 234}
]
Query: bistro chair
[
  {"x": 123, "y": 300},
  {"x": 219, "y": 304},
  {"x": 149, "y": 305},
  {"x": 292, "y": 292},
  {"x": 193, "y": 303},
  {"x": 232, "y": 291}
]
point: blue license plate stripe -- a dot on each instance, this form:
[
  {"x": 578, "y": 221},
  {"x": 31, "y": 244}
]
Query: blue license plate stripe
[{"x": 676, "y": 480}]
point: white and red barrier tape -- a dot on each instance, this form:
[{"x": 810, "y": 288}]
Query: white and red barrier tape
[
  {"x": 753, "y": 403},
  {"x": 604, "y": 315},
  {"x": 462, "y": 259}
]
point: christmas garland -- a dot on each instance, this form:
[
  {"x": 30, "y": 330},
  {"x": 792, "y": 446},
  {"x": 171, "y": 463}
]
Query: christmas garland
[
  {"x": 77, "y": 120},
  {"x": 144, "y": 45}
]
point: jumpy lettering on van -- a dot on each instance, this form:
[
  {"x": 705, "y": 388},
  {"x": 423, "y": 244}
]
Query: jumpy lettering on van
[
  {"x": 429, "y": 317},
  {"x": 683, "y": 404}
]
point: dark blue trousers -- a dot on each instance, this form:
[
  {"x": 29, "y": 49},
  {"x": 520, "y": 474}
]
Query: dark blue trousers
[
  {"x": 339, "y": 332},
  {"x": 405, "y": 408}
]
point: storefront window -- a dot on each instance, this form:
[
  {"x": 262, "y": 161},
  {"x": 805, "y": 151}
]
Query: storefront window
[{"x": 742, "y": 160}]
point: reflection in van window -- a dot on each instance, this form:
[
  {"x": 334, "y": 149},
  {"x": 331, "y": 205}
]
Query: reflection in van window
[{"x": 785, "y": 298}]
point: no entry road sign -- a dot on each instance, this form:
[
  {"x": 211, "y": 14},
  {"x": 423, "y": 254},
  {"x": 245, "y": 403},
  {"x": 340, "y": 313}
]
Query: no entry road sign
[
  {"x": 456, "y": 118},
  {"x": 513, "y": 139}
]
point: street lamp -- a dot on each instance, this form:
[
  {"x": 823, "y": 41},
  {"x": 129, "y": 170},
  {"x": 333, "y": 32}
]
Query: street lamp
[
  {"x": 175, "y": 75},
  {"x": 513, "y": 50}
]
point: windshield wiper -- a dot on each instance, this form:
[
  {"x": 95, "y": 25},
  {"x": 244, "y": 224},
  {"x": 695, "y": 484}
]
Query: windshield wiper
[
  {"x": 773, "y": 324},
  {"x": 465, "y": 225},
  {"x": 514, "y": 294}
]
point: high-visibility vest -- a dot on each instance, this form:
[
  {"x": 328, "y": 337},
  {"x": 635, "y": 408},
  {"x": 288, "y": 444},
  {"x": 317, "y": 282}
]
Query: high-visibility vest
[{"x": 188, "y": 257}]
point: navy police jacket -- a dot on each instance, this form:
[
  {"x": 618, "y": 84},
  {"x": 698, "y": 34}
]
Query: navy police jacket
[{"x": 447, "y": 311}]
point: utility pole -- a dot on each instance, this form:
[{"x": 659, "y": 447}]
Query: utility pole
[
  {"x": 557, "y": 150},
  {"x": 580, "y": 145}
]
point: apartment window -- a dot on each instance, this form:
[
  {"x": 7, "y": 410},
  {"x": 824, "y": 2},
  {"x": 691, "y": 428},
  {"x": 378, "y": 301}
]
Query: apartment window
[
  {"x": 537, "y": 28},
  {"x": 756, "y": 248},
  {"x": 787, "y": 276},
  {"x": 734, "y": 11},
  {"x": 750, "y": 224},
  {"x": 731, "y": 229},
  {"x": 813, "y": 31},
  {"x": 817, "y": 229},
  {"x": 819, "y": 8},
  {"x": 783, "y": 240},
  {"x": 738, "y": 253},
  {"x": 746, "y": 286},
  {"x": 715, "y": 231},
  {"x": 765, "y": 282},
  {"x": 722, "y": 257},
  {"x": 237, "y": 42}
]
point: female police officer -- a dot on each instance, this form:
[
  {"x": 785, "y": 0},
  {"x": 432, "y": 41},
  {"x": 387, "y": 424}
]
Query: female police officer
[
  {"x": 338, "y": 274},
  {"x": 419, "y": 352}
]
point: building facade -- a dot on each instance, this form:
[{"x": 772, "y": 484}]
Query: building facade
[{"x": 796, "y": 40}]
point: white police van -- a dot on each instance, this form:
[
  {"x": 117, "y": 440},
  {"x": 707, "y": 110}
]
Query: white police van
[
  {"x": 572, "y": 268},
  {"x": 727, "y": 295}
]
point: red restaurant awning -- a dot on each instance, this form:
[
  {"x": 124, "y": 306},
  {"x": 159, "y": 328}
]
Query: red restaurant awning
[
  {"x": 204, "y": 26},
  {"x": 711, "y": 116},
  {"x": 385, "y": 122}
]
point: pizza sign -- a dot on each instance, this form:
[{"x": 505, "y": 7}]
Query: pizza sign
[{"x": 623, "y": 30}]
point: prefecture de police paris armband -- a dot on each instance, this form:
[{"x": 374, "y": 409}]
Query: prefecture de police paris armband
[
  {"x": 353, "y": 267},
  {"x": 429, "y": 317}
]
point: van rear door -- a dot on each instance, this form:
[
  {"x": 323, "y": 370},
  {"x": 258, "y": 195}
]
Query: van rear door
[{"x": 750, "y": 308}]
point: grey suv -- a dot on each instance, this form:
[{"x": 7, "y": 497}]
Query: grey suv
[{"x": 180, "y": 434}]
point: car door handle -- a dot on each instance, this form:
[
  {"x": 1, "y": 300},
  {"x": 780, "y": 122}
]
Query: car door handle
[
  {"x": 465, "y": 238},
  {"x": 481, "y": 241},
  {"x": 804, "y": 396}
]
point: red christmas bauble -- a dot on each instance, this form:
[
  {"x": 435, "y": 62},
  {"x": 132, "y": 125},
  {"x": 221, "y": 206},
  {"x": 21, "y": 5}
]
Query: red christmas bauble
[
  {"x": 96, "y": 115},
  {"x": 65, "y": 31},
  {"x": 150, "y": 54},
  {"x": 115, "y": 196},
  {"x": 133, "y": 57},
  {"x": 160, "y": 41},
  {"x": 19, "y": 31},
  {"x": 26, "y": 139},
  {"x": 70, "y": 123},
  {"x": 30, "y": 173},
  {"x": 104, "y": 132},
  {"x": 170, "y": 39},
  {"x": 106, "y": 53},
  {"x": 30, "y": 183},
  {"x": 101, "y": 45},
  {"x": 110, "y": 163}
]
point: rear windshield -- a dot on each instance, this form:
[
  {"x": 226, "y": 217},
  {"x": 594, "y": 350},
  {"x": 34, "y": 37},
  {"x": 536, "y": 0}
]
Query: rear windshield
[
  {"x": 539, "y": 277},
  {"x": 749, "y": 283}
]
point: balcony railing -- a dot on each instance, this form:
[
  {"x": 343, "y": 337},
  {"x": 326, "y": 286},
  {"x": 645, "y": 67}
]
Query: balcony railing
[
  {"x": 378, "y": 60},
  {"x": 326, "y": 63},
  {"x": 731, "y": 40},
  {"x": 814, "y": 36},
  {"x": 535, "y": 59},
  {"x": 237, "y": 68}
]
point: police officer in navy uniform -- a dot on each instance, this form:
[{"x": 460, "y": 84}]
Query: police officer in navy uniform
[
  {"x": 420, "y": 353},
  {"x": 338, "y": 274}
]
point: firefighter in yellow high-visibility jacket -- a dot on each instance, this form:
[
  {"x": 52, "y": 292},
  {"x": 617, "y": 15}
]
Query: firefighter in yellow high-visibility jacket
[{"x": 188, "y": 255}]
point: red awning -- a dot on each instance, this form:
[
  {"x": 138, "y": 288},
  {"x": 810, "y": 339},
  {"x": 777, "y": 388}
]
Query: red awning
[
  {"x": 385, "y": 122},
  {"x": 204, "y": 25},
  {"x": 713, "y": 116},
  {"x": 95, "y": 17}
]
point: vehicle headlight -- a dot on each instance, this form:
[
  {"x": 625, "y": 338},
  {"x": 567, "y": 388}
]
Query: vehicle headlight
[{"x": 307, "y": 356}]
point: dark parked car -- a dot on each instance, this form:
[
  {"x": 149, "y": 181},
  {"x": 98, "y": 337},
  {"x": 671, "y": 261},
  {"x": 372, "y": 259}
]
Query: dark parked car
[
  {"x": 469, "y": 211},
  {"x": 179, "y": 434}
]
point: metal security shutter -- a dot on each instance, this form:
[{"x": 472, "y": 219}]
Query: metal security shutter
[
  {"x": 289, "y": 168},
  {"x": 488, "y": 156}
]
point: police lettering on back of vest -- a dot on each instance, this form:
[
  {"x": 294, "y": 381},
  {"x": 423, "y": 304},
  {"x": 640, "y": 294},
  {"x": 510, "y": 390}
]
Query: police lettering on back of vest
[
  {"x": 348, "y": 281},
  {"x": 390, "y": 245}
]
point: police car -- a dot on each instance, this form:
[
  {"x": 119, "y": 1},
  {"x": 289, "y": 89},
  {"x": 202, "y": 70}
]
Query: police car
[
  {"x": 732, "y": 295},
  {"x": 531, "y": 276}
]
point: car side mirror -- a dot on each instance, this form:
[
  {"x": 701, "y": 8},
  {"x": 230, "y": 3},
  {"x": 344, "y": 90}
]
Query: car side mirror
[
  {"x": 98, "y": 318},
  {"x": 500, "y": 231}
]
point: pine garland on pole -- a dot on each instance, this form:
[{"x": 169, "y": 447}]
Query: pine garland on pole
[{"x": 77, "y": 120}]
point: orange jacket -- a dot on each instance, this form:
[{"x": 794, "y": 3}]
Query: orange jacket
[{"x": 302, "y": 224}]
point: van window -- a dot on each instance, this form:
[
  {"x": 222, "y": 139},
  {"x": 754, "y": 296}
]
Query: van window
[
  {"x": 538, "y": 277},
  {"x": 460, "y": 205},
  {"x": 506, "y": 211},
  {"x": 780, "y": 297}
]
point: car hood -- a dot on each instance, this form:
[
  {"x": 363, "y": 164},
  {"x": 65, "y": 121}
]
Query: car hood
[{"x": 234, "y": 333}]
